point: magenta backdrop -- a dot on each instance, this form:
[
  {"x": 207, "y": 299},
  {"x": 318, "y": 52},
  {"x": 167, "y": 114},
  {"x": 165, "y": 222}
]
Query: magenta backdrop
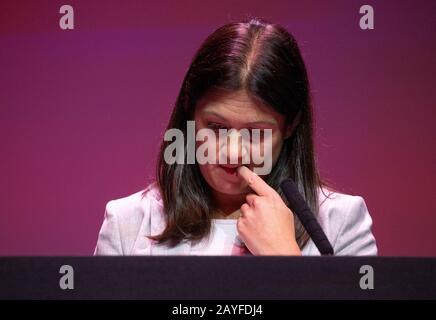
[{"x": 82, "y": 112}]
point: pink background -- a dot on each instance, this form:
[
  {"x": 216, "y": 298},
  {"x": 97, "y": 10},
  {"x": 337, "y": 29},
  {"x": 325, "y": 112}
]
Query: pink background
[{"x": 82, "y": 112}]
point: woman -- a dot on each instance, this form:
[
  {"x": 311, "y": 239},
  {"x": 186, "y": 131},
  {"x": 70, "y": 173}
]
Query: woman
[{"x": 247, "y": 75}]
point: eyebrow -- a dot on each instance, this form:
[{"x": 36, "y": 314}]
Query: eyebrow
[{"x": 261, "y": 122}]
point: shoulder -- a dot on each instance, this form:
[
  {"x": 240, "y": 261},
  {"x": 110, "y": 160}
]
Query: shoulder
[
  {"x": 347, "y": 222},
  {"x": 135, "y": 205},
  {"x": 337, "y": 206},
  {"x": 134, "y": 211},
  {"x": 128, "y": 219}
]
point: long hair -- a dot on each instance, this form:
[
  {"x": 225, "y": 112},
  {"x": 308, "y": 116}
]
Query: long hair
[{"x": 264, "y": 60}]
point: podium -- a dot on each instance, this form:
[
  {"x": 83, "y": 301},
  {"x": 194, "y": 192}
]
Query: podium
[{"x": 217, "y": 278}]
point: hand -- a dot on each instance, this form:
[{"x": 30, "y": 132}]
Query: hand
[{"x": 266, "y": 225}]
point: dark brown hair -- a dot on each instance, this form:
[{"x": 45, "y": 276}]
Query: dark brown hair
[{"x": 263, "y": 59}]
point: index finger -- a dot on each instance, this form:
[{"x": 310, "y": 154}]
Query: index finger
[{"x": 254, "y": 181}]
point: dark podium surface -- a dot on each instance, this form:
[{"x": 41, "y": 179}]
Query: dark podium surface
[{"x": 219, "y": 278}]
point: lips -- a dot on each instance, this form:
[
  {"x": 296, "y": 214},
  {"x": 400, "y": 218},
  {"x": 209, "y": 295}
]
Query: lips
[{"x": 230, "y": 170}]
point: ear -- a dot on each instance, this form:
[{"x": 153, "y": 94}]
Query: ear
[{"x": 291, "y": 126}]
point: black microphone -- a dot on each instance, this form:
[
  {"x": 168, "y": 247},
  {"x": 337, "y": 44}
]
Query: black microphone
[{"x": 307, "y": 218}]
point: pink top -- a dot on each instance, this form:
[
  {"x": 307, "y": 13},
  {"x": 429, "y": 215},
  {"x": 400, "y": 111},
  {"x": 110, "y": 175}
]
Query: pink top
[
  {"x": 223, "y": 240},
  {"x": 130, "y": 220}
]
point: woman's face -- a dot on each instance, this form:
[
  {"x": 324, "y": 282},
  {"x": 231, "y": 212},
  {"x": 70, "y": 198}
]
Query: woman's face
[{"x": 237, "y": 111}]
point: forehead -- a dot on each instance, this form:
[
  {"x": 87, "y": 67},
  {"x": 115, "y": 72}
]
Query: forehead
[{"x": 238, "y": 105}]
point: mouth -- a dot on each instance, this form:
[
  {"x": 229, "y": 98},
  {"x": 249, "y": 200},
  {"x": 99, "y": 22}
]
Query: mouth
[{"x": 230, "y": 170}]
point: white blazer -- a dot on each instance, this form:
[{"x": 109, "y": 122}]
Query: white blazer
[{"x": 127, "y": 222}]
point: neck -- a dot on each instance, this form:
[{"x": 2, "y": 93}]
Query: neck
[{"x": 227, "y": 206}]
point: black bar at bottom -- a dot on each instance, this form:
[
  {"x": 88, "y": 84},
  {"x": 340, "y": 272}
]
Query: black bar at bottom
[{"x": 217, "y": 278}]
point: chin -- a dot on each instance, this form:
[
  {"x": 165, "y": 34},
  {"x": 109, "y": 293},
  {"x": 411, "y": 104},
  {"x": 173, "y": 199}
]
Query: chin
[
  {"x": 222, "y": 181},
  {"x": 230, "y": 189}
]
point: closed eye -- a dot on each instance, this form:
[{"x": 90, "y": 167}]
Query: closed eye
[{"x": 215, "y": 126}]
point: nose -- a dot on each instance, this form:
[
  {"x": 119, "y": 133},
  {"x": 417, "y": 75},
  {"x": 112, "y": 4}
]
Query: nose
[{"x": 232, "y": 148}]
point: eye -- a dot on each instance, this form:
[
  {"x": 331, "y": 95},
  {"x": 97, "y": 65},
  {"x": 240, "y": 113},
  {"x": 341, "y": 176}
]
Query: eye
[
  {"x": 257, "y": 133},
  {"x": 215, "y": 126}
]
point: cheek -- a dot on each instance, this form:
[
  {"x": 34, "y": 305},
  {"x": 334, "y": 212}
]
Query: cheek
[
  {"x": 207, "y": 172},
  {"x": 203, "y": 169},
  {"x": 276, "y": 148},
  {"x": 206, "y": 150},
  {"x": 273, "y": 146}
]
